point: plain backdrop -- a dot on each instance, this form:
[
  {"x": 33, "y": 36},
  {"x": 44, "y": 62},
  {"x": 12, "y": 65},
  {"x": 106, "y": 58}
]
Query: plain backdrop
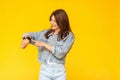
[{"x": 96, "y": 25}]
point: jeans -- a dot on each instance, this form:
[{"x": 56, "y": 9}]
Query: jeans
[{"x": 52, "y": 72}]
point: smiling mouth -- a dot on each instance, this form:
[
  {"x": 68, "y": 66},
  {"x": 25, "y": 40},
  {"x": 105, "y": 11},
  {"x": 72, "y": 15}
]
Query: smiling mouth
[{"x": 53, "y": 25}]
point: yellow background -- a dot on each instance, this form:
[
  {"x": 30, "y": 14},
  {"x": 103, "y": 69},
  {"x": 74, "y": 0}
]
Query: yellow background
[{"x": 95, "y": 23}]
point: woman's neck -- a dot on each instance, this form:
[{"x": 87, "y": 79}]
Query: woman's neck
[{"x": 57, "y": 31}]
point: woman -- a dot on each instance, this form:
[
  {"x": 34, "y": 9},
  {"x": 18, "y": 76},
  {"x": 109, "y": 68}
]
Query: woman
[{"x": 53, "y": 46}]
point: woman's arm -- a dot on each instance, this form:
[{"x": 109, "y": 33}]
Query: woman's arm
[
  {"x": 34, "y": 35},
  {"x": 28, "y": 37},
  {"x": 40, "y": 43}
]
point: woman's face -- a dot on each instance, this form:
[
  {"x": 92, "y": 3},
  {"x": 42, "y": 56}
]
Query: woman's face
[{"x": 53, "y": 23}]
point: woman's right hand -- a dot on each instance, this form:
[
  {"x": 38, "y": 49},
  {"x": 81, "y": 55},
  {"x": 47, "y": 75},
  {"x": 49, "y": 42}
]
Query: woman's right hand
[{"x": 24, "y": 43}]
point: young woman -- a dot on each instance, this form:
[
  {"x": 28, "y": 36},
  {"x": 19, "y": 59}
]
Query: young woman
[{"x": 53, "y": 46}]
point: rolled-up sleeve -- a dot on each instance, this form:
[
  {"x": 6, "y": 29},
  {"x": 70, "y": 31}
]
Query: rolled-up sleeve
[{"x": 60, "y": 51}]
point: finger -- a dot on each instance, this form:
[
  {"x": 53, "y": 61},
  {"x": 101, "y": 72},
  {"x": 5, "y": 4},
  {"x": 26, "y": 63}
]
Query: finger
[
  {"x": 33, "y": 40},
  {"x": 23, "y": 46}
]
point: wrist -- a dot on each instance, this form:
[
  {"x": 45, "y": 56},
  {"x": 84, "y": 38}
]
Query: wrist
[{"x": 27, "y": 37}]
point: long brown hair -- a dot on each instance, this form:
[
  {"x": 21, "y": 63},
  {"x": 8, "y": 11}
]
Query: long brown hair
[{"x": 62, "y": 21}]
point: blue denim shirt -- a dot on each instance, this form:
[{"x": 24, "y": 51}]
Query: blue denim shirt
[{"x": 59, "y": 48}]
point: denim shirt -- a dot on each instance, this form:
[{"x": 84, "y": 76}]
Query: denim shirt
[{"x": 59, "y": 48}]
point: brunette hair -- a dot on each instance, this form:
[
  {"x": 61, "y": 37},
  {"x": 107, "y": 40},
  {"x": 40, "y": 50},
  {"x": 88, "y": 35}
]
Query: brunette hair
[{"x": 62, "y": 21}]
